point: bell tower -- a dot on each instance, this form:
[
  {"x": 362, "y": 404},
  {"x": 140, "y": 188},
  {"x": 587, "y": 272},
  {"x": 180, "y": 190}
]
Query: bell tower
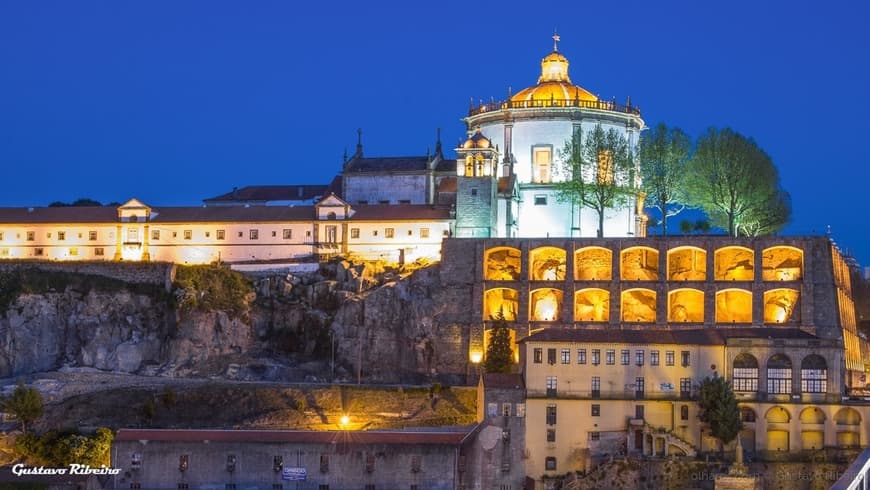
[{"x": 476, "y": 187}]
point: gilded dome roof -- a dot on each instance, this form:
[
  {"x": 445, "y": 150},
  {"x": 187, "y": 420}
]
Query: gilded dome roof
[
  {"x": 477, "y": 140},
  {"x": 554, "y": 83}
]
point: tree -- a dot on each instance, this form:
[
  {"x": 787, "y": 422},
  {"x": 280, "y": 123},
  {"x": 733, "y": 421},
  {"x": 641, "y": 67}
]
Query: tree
[
  {"x": 664, "y": 156},
  {"x": 25, "y": 404},
  {"x": 596, "y": 171},
  {"x": 82, "y": 201},
  {"x": 719, "y": 409},
  {"x": 499, "y": 352},
  {"x": 736, "y": 184}
]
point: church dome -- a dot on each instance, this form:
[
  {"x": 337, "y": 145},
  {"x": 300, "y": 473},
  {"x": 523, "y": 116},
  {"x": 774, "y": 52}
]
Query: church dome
[
  {"x": 477, "y": 140},
  {"x": 554, "y": 82}
]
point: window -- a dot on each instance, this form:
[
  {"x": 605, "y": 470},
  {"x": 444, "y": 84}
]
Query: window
[
  {"x": 611, "y": 357},
  {"x": 505, "y": 409},
  {"x": 779, "y": 374},
  {"x": 73, "y": 251},
  {"x": 669, "y": 358},
  {"x": 324, "y": 463},
  {"x": 220, "y": 234},
  {"x": 551, "y": 386},
  {"x": 684, "y": 358},
  {"x": 135, "y": 486},
  {"x": 492, "y": 409},
  {"x": 280, "y": 486},
  {"x": 551, "y": 414},
  {"x": 638, "y": 387},
  {"x": 136, "y": 461},
  {"x": 581, "y": 356},
  {"x": 231, "y": 463},
  {"x": 370, "y": 463},
  {"x": 31, "y": 236},
  {"x": 474, "y": 191},
  {"x": 596, "y": 357},
  {"x": 745, "y": 373},
  {"x": 92, "y": 236},
  {"x": 540, "y": 200},
  {"x": 331, "y": 234},
  {"x": 38, "y": 252},
  {"x": 595, "y": 436},
  {"x": 253, "y": 234},
  {"x": 183, "y": 462},
  {"x": 99, "y": 251},
  {"x": 277, "y": 463},
  {"x": 653, "y": 358},
  {"x": 638, "y": 411},
  {"x": 551, "y": 356},
  {"x": 208, "y": 234},
  {"x": 521, "y": 409},
  {"x": 188, "y": 234},
  {"x": 369, "y": 486},
  {"x": 287, "y": 233},
  {"x": 551, "y": 435},
  {"x": 384, "y": 201},
  {"x": 416, "y": 463},
  {"x": 596, "y": 410},
  {"x": 623, "y": 357},
  {"x": 133, "y": 235},
  {"x": 538, "y": 355},
  {"x": 308, "y": 234},
  {"x": 550, "y": 463},
  {"x": 241, "y": 234},
  {"x": 596, "y": 387},
  {"x": 274, "y": 233},
  {"x": 566, "y": 356},
  {"x": 814, "y": 374},
  {"x": 684, "y": 412},
  {"x": 424, "y": 232},
  {"x": 541, "y": 158},
  {"x": 354, "y": 232},
  {"x": 1, "y": 235},
  {"x": 404, "y": 201},
  {"x": 4, "y": 252},
  {"x": 183, "y": 486},
  {"x": 638, "y": 357},
  {"x": 61, "y": 235},
  {"x": 374, "y": 232},
  {"x": 685, "y": 387},
  {"x": 389, "y": 232}
]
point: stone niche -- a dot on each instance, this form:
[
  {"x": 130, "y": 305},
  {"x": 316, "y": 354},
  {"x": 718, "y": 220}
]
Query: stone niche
[
  {"x": 500, "y": 301},
  {"x": 593, "y": 264},
  {"x": 687, "y": 264},
  {"x": 503, "y": 264},
  {"x": 545, "y": 305},
  {"x": 781, "y": 305},
  {"x": 547, "y": 264},
  {"x": 782, "y": 264},
  {"x": 686, "y": 305},
  {"x": 639, "y": 305},
  {"x": 734, "y": 264},
  {"x": 639, "y": 264},
  {"x": 592, "y": 305},
  {"x": 734, "y": 306}
]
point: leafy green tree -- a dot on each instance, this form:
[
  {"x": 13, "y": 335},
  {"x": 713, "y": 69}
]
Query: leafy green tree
[
  {"x": 82, "y": 201},
  {"x": 25, "y": 404},
  {"x": 499, "y": 352},
  {"x": 719, "y": 409},
  {"x": 664, "y": 156},
  {"x": 735, "y": 182},
  {"x": 597, "y": 171}
]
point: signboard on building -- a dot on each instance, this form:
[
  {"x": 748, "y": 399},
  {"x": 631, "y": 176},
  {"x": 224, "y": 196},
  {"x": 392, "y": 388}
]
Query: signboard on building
[{"x": 294, "y": 474}]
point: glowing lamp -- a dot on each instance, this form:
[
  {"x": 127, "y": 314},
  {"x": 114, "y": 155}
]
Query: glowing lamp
[
  {"x": 476, "y": 357},
  {"x": 345, "y": 420}
]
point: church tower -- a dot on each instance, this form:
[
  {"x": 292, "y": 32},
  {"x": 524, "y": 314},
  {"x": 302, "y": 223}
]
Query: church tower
[{"x": 476, "y": 187}]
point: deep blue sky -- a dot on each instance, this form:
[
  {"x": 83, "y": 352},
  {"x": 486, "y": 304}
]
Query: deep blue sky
[{"x": 175, "y": 101}]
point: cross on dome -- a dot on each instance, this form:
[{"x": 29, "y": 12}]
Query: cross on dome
[{"x": 556, "y": 40}]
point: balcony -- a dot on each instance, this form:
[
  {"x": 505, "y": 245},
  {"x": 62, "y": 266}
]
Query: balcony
[{"x": 601, "y": 105}]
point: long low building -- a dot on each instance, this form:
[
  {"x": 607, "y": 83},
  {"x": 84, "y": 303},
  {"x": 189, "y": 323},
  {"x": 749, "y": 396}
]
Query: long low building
[{"x": 232, "y": 234}]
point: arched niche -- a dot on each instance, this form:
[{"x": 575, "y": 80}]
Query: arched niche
[
  {"x": 547, "y": 264},
  {"x": 847, "y": 416},
  {"x": 639, "y": 264},
  {"x": 593, "y": 264},
  {"x": 502, "y": 264},
  {"x": 639, "y": 305},
  {"x": 777, "y": 414},
  {"x": 734, "y": 264},
  {"x": 812, "y": 415},
  {"x": 592, "y": 305},
  {"x": 747, "y": 414},
  {"x": 687, "y": 264},
  {"x": 782, "y": 263},
  {"x": 500, "y": 301},
  {"x": 781, "y": 305},
  {"x": 733, "y": 306},
  {"x": 686, "y": 305},
  {"x": 545, "y": 305}
]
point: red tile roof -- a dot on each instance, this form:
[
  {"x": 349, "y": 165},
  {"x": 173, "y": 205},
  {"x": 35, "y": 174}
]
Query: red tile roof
[
  {"x": 194, "y": 214},
  {"x": 399, "y": 212},
  {"x": 501, "y": 381},
  {"x": 452, "y": 436},
  {"x": 65, "y": 214},
  {"x": 271, "y": 193}
]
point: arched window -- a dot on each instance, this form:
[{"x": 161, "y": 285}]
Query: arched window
[
  {"x": 814, "y": 374},
  {"x": 779, "y": 374},
  {"x": 747, "y": 414},
  {"x": 745, "y": 373},
  {"x": 502, "y": 264},
  {"x": 469, "y": 166}
]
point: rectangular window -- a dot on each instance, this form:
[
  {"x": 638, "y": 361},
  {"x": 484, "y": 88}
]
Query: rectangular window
[
  {"x": 1, "y": 235},
  {"x": 308, "y": 234},
  {"x": 638, "y": 387},
  {"x": 389, "y": 232},
  {"x": 188, "y": 234},
  {"x": 638, "y": 411},
  {"x": 596, "y": 357},
  {"x": 384, "y": 201},
  {"x": 231, "y": 463},
  {"x": 653, "y": 358},
  {"x": 208, "y": 234},
  {"x": 581, "y": 356},
  {"x": 685, "y": 387},
  {"x": 135, "y": 486},
  {"x": 277, "y": 463},
  {"x": 538, "y": 355},
  {"x": 813, "y": 380},
  {"x": 596, "y": 387},
  {"x": 241, "y": 234},
  {"x": 92, "y": 236},
  {"x": 551, "y": 414},
  {"x": 424, "y": 232},
  {"x": 669, "y": 358},
  {"x": 684, "y": 358},
  {"x": 595, "y": 436},
  {"x": 550, "y": 463},
  {"x": 74, "y": 251},
  {"x": 541, "y": 158},
  {"x": 474, "y": 191},
  {"x": 253, "y": 234},
  {"x": 521, "y": 409},
  {"x": 624, "y": 357},
  {"x": 638, "y": 357},
  {"x": 220, "y": 234},
  {"x": 31, "y": 236},
  {"x": 374, "y": 232},
  {"x": 99, "y": 251},
  {"x": 684, "y": 412},
  {"x": 183, "y": 486},
  {"x": 370, "y": 463},
  {"x": 551, "y": 435},
  {"x": 492, "y": 409},
  {"x": 611, "y": 357},
  {"x": 505, "y": 409},
  {"x": 354, "y": 232},
  {"x": 540, "y": 200},
  {"x": 596, "y": 410},
  {"x": 332, "y": 234},
  {"x": 183, "y": 462},
  {"x": 287, "y": 234},
  {"x": 551, "y": 387},
  {"x": 324, "y": 463},
  {"x": 4, "y": 252},
  {"x": 551, "y": 356},
  {"x": 155, "y": 235},
  {"x": 274, "y": 233},
  {"x": 61, "y": 235},
  {"x": 133, "y": 235},
  {"x": 404, "y": 201},
  {"x": 39, "y": 252},
  {"x": 566, "y": 356},
  {"x": 746, "y": 379}
]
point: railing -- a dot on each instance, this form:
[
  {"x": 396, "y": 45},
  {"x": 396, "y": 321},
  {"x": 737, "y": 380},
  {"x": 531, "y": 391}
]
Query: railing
[
  {"x": 627, "y": 394},
  {"x": 857, "y": 476},
  {"x": 532, "y": 104}
]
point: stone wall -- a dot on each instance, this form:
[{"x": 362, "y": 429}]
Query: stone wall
[{"x": 157, "y": 273}]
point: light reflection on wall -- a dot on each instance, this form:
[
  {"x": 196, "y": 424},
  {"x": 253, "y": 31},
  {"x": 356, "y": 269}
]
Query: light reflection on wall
[
  {"x": 733, "y": 306},
  {"x": 500, "y": 301},
  {"x": 592, "y": 305},
  {"x": 547, "y": 264},
  {"x": 503, "y": 264},
  {"x": 686, "y": 305},
  {"x": 687, "y": 264},
  {"x": 734, "y": 264},
  {"x": 780, "y": 305},
  {"x": 782, "y": 264},
  {"x": 545, "y": 305},
  {"x": 593, "y": 264},
  {"x": 639, "y": 305},
  {"x": 639, "y": 264}
]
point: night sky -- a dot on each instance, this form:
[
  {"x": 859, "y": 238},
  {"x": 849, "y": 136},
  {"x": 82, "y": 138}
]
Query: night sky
[{"x": 176, "y": 101}]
